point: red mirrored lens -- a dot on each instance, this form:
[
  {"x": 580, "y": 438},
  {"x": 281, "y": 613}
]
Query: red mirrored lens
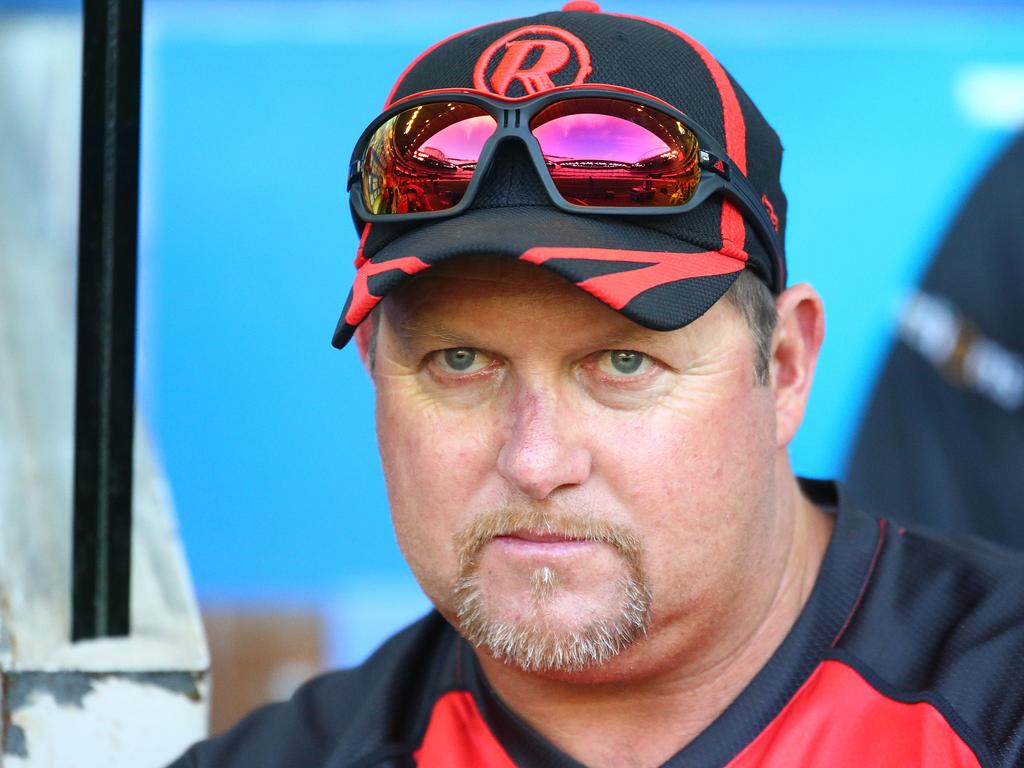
[
  {"x": 423, "y": 158},
  {"x": 613, "y": 153}
]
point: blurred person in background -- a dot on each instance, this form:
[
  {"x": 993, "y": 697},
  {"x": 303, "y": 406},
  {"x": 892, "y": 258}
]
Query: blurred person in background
[
  {"x": 588, "y": 369},
  {"x": 943, "y": 439}
]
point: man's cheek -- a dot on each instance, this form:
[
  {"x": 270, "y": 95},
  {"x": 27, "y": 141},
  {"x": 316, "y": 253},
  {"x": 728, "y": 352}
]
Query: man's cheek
[{"x": 432, "y": 466}]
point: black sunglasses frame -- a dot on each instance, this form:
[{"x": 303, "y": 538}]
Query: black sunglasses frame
[{"x": 513, "y": 116}]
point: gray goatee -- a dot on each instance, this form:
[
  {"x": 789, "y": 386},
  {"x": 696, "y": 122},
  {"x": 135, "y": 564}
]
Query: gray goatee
[{"x": 530, "y": 644}]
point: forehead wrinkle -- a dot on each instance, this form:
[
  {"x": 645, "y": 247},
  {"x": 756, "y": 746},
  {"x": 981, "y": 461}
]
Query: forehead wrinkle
[
  {"x": 639, "y": 336},
  {"x": 412, "y": 329}
]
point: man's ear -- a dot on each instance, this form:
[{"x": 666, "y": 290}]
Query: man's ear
[{"x": 796, "y": 342}]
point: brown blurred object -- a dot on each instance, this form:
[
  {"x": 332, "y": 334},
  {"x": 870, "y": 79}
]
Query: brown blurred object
[{"x": 259, "y": 654}]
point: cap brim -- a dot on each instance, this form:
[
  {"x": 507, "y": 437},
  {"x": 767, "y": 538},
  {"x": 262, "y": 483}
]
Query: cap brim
[{"x": 654, "y": 279}]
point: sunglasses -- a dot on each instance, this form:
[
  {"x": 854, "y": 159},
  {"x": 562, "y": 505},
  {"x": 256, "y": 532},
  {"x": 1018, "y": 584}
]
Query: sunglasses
[{"x": 597, "y": 150}]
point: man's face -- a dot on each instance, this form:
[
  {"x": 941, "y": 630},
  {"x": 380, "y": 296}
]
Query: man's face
[{"x": 571, "y": 490}]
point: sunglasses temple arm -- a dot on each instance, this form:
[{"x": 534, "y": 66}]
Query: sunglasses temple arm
[{"x": 743, "y": 193}]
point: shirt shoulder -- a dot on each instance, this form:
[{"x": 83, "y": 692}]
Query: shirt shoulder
[
  {"x": 367, "y": 712},
  {"x": 941, "y": 622}
]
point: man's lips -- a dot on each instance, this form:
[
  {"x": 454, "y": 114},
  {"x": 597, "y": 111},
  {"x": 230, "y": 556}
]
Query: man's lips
[
  {"x": 542, "y": 538},
  {"x": 531, "y": 544}
]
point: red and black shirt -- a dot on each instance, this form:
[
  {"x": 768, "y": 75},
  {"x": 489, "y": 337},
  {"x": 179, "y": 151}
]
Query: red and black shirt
[{"x": 909, "y": 653}]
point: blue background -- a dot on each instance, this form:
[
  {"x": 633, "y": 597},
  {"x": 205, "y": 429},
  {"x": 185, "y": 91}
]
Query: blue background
[{"x": 250, "y": 112}]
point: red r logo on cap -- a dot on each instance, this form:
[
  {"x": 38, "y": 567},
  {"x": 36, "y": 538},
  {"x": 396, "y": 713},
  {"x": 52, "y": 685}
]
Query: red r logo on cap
[{"x": 532, "y": 57}]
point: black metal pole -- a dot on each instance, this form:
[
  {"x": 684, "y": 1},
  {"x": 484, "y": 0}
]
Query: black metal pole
[{"x": 105, "y": 359}]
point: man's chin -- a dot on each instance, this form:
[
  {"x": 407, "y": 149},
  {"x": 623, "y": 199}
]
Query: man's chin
[
  {"x": 549, "y": 591},
  {"x": 554, "y": 632}
]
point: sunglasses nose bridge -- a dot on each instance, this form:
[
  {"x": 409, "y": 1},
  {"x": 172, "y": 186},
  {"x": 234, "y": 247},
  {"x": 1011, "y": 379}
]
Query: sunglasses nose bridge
[
  {"x": 516, "y": 133},
  {"x": 512, "y": 119},
  {"x": 513, "y": 126},
  {"x": 506, "y": 140},
  {"x": 511, "y": 172}
]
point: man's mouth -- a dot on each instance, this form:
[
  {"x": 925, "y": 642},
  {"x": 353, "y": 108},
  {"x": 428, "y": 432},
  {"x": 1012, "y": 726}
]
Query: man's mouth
[
  {"x": 524, "y": 543},
  {"x": 541, "y": 537}
]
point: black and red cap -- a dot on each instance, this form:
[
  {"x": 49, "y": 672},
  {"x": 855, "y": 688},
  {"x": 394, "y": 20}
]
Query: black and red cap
[{"x": 660, "y": 271}]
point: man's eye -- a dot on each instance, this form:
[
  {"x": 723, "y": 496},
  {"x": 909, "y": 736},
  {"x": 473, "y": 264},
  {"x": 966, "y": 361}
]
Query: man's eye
[
  {"x": 461, "y": 360},
  {"x": 623, "y": 362}
]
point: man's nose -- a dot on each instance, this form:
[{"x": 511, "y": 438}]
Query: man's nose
[{"x": 543, "y": 449}]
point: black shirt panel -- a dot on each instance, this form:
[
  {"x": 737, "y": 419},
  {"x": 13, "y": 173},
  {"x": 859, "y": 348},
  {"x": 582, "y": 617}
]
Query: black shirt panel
[{"x": 945, "y": 617}]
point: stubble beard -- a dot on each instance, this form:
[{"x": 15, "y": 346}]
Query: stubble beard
[{"x": 532, "y": 644}]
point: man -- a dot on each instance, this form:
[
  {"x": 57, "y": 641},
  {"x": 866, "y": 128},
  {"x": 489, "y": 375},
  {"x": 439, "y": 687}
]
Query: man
[
  {"x": 588, "y": 368},
  {"x": 959, "y": 352}
]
